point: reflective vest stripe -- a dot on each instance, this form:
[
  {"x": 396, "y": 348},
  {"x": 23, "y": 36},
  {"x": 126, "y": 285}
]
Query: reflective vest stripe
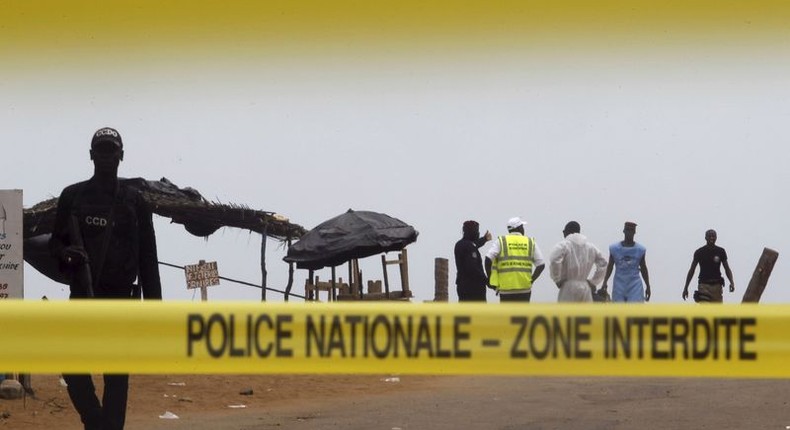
[
  {"x": 530, "y": 258},
  {"x": 517, "y": 269}
]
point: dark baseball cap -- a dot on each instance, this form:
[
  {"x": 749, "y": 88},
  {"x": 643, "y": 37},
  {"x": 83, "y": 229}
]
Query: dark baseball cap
[{"x": 107, "y": 134}]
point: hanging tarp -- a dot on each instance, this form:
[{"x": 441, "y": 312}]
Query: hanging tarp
[{"x": 354, "y": 234}]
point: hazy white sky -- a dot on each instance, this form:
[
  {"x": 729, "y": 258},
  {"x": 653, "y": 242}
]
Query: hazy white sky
[{"x": 678, "y": 142}]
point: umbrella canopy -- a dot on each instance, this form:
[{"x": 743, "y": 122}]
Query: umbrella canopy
[{"x": 354, "y": 234}]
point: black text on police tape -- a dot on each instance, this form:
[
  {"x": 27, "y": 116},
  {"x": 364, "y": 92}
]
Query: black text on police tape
[
  {"x": 534, "y": 337},
  {"x": 379, "y": 336}
]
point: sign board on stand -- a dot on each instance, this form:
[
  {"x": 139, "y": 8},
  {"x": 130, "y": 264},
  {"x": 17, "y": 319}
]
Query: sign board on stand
[
  {"x": 202, "y": 275},
  {"x": 11, "y": 256}
]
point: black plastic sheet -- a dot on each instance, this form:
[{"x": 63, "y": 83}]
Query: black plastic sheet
[{"x": 354, "y": 234}]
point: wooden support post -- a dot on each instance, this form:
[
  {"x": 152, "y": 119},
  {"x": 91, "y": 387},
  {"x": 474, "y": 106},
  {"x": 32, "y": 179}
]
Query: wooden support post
[
  {"x": 332, "y": 293},
  {"x": 760, "y": 276},
  {"x": 263, "y": 262},
  {"x": 308, "y": 294},
  {"x": 441, "y": 281},
  {"x": 351, "y": 276},
  {"x": 359, "y": 278},
  {"x": 404, "y": 273},
  {"x": 386, "y": 278},
  {"x": 203, "y": 289},
  {"x": 290, "y": 275}
]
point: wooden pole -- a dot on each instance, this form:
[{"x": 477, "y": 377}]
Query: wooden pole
[
  {"x": 290, "y": 275},
  {"x": 332, "y": 296},
  {"x": 263, "y": 262},
  {"x": 351, "y": 276},
  {"x": 760, "y": 276},
  {"x": 440, "y": 274},
  {"x": 359, "y": 278},
  {"x": 203, "y": 289},
  {"x": 309, "y": 294},
  {"x": 386, "y": 278},
  {"x": 404, "y": 273}
]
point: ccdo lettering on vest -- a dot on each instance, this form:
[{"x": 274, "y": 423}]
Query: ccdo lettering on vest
[{"x": 97, "y": 221}]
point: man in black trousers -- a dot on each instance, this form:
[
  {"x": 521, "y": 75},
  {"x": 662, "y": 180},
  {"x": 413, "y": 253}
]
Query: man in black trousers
[{"x": 104, "y": 239}]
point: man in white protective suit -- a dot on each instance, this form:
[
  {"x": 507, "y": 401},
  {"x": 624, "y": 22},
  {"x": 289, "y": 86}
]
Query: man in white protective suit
[{"x": 570, "y": 265}]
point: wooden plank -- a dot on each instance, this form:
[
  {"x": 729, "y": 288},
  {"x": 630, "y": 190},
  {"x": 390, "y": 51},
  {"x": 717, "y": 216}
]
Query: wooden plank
[
  {"x": 351, "y": 273},
  {"x": 393, "y": 295},
  {"x": 404, "y": 270},
  {"x": 760, "y": 276},
  {"x": 358, "y": 280},
  {"x": 441, "y": 280},
  {"x": 290, "y": 275},
  {"x": 332, "y": 295},
  {"x": 308, "y": 294},
  {"x": 374, "y": 287},
  {"x": 263, "y": 263},
  {"x": 386, "y": 278}
]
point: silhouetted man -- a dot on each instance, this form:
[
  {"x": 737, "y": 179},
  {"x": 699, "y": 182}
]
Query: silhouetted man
[
  {"x": 104, "y": 238},
  {"x": 470, "y": 279}
]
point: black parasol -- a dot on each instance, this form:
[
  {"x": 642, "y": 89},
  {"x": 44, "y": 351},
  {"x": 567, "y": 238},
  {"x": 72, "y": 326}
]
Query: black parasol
[{"x": 354, "y": 234}]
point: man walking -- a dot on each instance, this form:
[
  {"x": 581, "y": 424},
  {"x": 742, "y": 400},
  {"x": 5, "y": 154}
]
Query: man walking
[
  {"x": 710, "y": 259},
  {"x": 628, "y": 260},
  {"x": 470, "y": 279},
  {"x": 510, "y": 261},
  {"x": 104, "y": 238},
  {"x": 570, "y": 264}
]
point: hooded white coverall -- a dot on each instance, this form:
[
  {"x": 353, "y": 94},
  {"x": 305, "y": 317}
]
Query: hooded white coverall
[{"x": 570, "y": 264}]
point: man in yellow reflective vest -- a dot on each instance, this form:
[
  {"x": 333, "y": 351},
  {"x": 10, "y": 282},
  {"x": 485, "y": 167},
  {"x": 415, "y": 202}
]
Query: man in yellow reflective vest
[{"x": 513, "y": 263}]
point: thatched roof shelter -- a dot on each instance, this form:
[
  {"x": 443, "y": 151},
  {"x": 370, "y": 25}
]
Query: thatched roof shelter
[{"x": 185, "y": 206}]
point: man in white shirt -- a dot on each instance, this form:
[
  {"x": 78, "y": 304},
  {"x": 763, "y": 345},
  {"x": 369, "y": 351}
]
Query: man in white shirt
[{"x": 570, "y": 264}]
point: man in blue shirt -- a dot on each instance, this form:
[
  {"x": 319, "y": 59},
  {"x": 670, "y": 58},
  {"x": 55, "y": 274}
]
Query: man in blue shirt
[{"x": 628, "y": 259}]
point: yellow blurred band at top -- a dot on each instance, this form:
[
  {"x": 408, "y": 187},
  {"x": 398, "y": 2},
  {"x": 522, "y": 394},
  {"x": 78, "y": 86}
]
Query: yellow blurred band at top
[{"x": 306, "y": 27}]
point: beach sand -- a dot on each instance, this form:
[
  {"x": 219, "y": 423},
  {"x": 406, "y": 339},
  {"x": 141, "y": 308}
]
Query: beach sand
[{"x": 421, "y": 402}]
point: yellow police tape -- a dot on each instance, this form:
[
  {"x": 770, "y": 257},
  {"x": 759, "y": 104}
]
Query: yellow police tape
[{"x": 430, "y": 338}]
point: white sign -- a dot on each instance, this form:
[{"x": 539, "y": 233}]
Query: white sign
[
  {"x": 12, "y": 263},
  {"x": 202, "y": 275}
]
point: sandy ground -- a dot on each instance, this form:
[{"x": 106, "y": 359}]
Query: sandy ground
[{"x": 421, "y": 402}]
